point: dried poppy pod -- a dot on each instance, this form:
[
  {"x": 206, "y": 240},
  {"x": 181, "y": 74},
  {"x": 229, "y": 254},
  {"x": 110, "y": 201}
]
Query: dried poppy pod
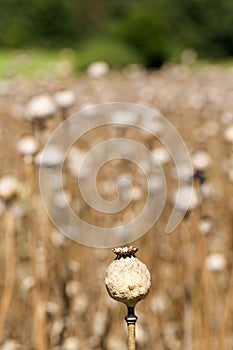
[
  {"x": 98, "y": 69},
  {"x": 51, "y": 157},
  {"x": 128, "y": 280},
  {"x": 228, "y": 134},
  {"x": 40, "y": 107},
  {"x": 38, "y": 110},
  {"x": 9, "y": 188},
  {"x": 65, "y": 100},
  {"x": 28, "y": 145}
]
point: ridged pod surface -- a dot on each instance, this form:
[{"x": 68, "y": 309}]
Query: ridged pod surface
[{"x": 127, "y": 279}]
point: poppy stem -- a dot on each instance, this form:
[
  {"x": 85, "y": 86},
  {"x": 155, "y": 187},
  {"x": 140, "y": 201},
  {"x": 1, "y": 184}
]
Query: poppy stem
[{"x": 131, "y": 320}]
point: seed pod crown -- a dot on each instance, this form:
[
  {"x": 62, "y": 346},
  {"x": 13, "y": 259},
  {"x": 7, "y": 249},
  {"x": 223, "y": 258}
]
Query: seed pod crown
[{"x": 125, "y": 252}]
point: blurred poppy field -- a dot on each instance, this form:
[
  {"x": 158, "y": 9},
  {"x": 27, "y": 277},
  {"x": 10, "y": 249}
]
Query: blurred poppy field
[
  {"x": 52, "y": 289},
  {"x": 60, "y": 58}
]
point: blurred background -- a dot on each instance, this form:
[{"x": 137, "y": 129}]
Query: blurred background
[
  {"x": 149, "y": 32},
  {"x": 60, "y": 57}
]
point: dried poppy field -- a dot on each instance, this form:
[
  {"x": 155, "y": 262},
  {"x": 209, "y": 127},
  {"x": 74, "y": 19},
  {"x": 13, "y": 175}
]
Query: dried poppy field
[{"x": 52, "y": 290}]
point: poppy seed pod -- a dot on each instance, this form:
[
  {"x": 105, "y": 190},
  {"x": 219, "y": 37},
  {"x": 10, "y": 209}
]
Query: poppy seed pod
[
  {"x": 228, "y": 134},
  {"x": 40, "y": 107},
  {"x": 98, "y": 69},
  {"x": 65, "y": 99},
  {"x": 201, "y": 160},
  {"x": 28, "y": 146},
  {"x": 127, "y": 279},
  {"x": 51, "y": 157},
  {"x": 9, "y": 188},
  {"x": 162, "y": 155}
]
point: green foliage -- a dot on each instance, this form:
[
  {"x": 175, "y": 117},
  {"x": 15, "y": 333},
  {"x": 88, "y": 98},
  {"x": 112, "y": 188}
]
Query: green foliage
[
  {"x": 162, "y": 29},
  {"x": 205, "y": 25},
  {"x": 29, "y": 62},
  {"x": 116, "y": 53},
  {"x": 14, "y": 26},
  {"x": 49, "y": 21},
  {"x": 146, "y": 30},
  {"x": 152, "y": 31}
]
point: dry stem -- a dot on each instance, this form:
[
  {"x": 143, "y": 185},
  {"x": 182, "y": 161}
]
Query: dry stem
[
  {"x": 9, "y": 271},
  {"x": 131, "y": 336}
]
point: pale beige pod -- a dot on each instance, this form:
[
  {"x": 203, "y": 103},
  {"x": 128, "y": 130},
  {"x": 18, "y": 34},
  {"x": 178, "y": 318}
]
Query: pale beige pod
[
  {"x": 65, "y": 99},
  {"x": 127, "y": 279},
  {"x": 9, "y": 188},
  {"x": 98, "y": 69},
  {"x": 40, "y": 107}
]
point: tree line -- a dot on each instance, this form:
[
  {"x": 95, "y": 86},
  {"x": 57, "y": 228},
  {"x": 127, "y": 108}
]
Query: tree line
[{"x": 151, "y": 30}]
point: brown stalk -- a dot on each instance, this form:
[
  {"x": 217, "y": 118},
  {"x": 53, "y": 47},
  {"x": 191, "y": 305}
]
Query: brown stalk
[
  {"x": 9, "y": 270},
  {"x": 39, "y": 339}
]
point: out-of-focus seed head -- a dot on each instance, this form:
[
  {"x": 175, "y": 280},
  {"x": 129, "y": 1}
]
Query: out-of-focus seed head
[
  {"x": 182, "y": 196},
  {"x": 56, "y": 329},
  {"x": 52, "y": 308},
  {"x": 28, "y": 145},
  {"x": 80, "y": 304},
  {"x": 75, "y": 157},
  {"x": 226, "y": 119},
  {"x": 27, "y": 284},
  {"x": 40, "y": 107},
  {"x": 201, "y": 160},
  {"x": 49, "y": 158},
  {"x": 62, "y": 199},
  {"x": 72, "y": 288},
  {"x": 71, "y": 343},
  {"x": 137, "y": 194},
  {"x": 73, "y": 266},
  {"x": 185, "y": 173},
  {"x": 206, "y": 226},
  {"x": 58, "y": 239},
  {"x": 100, "y": 321},
  {"x": 98, "y": 69},
  {"x": 10, "y": 344},
  {"x": 127, "y": 279},
  {"x": 9, "y": 188},
  {"x": 65, "y": 99},
  {"x": 162, "y": 155},
  {"x": 215, "y": 262},
  {"x": 228, "y": 134}
]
